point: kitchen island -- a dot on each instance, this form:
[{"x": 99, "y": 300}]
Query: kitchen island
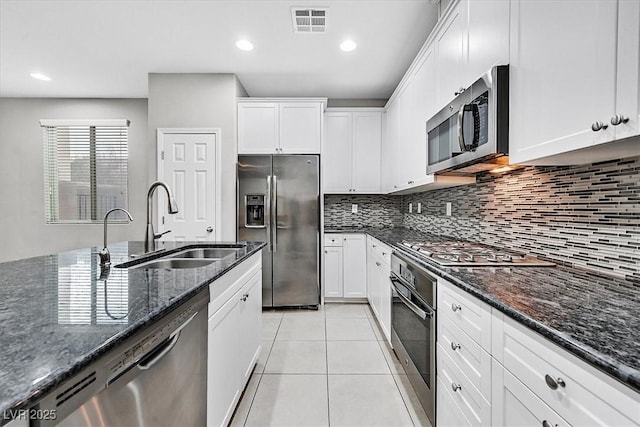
[{"x": 60, "y": 313}]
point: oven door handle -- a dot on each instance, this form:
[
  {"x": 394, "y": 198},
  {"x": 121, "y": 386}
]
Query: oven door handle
[{"x": 424, "y": 315}]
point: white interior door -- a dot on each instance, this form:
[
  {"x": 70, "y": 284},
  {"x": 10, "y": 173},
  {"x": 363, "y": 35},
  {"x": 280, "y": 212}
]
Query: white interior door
[{"x": 189, "y": 164}]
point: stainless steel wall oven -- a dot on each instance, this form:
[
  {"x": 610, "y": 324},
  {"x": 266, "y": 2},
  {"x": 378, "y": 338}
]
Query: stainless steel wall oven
[{"x": 413, "y": 327}]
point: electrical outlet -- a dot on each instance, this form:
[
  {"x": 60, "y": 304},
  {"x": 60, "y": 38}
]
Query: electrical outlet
[
  {"x": 354, "y": 208},
  {"x": 448, "y": 208},
  {"x": 410, "y": 207},
  {"x": 419, "y": 208}
]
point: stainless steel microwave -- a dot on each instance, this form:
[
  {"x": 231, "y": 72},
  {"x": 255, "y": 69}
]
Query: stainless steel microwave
[{"x": 471, "y": 134}]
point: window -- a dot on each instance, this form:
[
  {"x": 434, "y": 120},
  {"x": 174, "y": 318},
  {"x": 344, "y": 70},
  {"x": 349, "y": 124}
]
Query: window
[{"x": 85, "y": 169}]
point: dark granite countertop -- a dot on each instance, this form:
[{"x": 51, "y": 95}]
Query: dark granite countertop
[
  {"x": 57, "y": 315},
  {"x": 593, "y": 316}
]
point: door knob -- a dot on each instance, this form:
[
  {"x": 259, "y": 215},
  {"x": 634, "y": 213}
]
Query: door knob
[
  {"x": 618, "y": 119},
  {"x": 209, "y": 229},
  {"x": 596, "y": 126}
]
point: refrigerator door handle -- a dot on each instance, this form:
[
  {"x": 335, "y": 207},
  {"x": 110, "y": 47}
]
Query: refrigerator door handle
[
  {"x": 268, "y": 212},
  {"x": 274, "y": 203}
]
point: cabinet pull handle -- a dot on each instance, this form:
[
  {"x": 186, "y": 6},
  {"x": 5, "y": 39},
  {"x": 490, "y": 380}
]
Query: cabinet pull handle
[
  {"x": 596, "y": 126},
  {"x": 618, "y": 119},
  {"x": 456, "y": 307},
  {"x": 554, "y": 383},
  {"x": 456, "y": 387},
  {"x": 454, "y": 346}
]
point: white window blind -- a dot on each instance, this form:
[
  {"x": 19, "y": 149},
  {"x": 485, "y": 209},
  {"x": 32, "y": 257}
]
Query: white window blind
[{"x": 85, "y": 169}]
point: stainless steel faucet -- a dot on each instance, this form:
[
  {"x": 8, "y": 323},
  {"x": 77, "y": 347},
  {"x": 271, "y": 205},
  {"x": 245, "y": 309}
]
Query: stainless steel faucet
[
  {"x": 151, "y": 236},
  {"x": 105, "y": 256}
]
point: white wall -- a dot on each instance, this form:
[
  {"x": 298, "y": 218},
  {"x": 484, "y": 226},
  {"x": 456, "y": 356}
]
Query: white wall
[
  {"x": 199, "y": 101},
  {"x": 23, "y": 232}
]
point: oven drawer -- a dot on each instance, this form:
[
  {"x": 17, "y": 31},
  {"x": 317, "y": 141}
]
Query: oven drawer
[
  {"x": 471, "y": 315},
  {"x": 333, "y": 240},
  {"x": 475, "y": 408},
  {"x": 467, "y": 354},
  {"x": 578, "y": 392}
]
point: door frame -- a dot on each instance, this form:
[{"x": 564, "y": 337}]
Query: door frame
[{"x": 160, "y": 133}]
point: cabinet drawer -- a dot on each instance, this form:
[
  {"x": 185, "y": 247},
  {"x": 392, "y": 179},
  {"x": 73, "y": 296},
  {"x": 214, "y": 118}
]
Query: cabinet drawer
[
  {"x": 515, "y": 405},
  {"x": 382, "y": 251},
  {"x": 467, "y": 354},
  {"x": 474, "y": 407},
  {"x": 578, "y": 392},
  {"x": 448, "y": 412},
  {"x": 465, "y": 311},
  {"x": 333, "y": 240}
]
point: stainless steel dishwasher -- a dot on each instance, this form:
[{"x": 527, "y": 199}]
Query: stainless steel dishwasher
[{"x": 156, "y": 378}]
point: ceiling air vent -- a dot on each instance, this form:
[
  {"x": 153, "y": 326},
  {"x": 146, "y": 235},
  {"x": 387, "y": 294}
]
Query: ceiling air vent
[{"x": 309, "y": 20}]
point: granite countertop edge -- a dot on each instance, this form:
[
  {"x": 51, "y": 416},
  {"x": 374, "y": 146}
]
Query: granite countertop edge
[
  {"x": 55, "y": 378},
  {"x": 620, "y": 371}
]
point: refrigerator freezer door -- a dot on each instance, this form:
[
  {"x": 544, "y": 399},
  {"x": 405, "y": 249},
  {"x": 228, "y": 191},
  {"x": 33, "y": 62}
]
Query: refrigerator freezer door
[
  {"x": 253, "y": 172},
  {"x": 295, "y": 239}
]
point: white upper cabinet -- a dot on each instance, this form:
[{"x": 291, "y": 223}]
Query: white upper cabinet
[
  {"x": 450, "y": 46},
  {"x": 300, "y": 128},
  {"x": 336, "y": 152},
  {"x": 351, "y": 151},
  {"x": 367, "y": 146},
  {"x": 488, "y": 36},
  {"x": 474, "y": 37},
  {"x": 258, "y": 131},
  {"x": 280, "y": 127},
  {"x": 574, "y": 67}
]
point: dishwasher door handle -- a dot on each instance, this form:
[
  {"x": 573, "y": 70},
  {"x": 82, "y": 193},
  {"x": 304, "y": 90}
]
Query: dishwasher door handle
[{"x": 170, "y": 343}]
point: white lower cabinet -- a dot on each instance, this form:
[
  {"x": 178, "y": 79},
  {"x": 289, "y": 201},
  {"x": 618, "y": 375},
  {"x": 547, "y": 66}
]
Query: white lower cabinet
[
  {"x": 495, "y": 371},
  {"x": 378, "y": 284},
  {"x": 345, "y": 266},
  {"x": 234, "y": 333}
]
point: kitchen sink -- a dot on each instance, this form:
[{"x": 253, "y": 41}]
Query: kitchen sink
[
  {"x": 174, "y": 263},
  {"x": 208, "y": 253},
  {"x": 193, "y": 256}
]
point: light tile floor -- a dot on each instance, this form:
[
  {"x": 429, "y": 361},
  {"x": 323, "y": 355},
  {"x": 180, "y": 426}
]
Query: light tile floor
[{"x": 330, "y": 367}]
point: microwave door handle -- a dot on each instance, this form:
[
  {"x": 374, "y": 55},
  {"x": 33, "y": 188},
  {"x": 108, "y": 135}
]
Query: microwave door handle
[
  {"x": 463, "y": 146},
  {"x": 476, "y": 125}
]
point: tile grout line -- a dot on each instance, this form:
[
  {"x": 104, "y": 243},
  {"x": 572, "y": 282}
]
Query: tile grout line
[
  {"x": 253, "y": 398},
  {"x": 326, "y": 356},
  {"x": 382, "y": 344}
]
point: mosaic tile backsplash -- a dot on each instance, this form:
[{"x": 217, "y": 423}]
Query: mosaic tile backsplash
[
  {"x": 373, "y": 211},
  {"x": 587, "y": 216}
]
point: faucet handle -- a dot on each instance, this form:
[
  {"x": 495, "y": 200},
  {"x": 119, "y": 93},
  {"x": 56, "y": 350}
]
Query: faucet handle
[{"x": 159, "y": 235}]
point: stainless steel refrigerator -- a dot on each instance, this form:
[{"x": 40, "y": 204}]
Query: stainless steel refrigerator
[{"x": 279, "y": 203}]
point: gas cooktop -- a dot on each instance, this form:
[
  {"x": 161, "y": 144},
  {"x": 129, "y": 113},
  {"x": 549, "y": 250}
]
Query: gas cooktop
[{"x": 469, "y": 254}]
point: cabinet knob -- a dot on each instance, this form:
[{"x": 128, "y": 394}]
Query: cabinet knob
[
  {"x": 546, "y": 423},
  {"x": 455, "y": 387},
  {"x": 454, "y": 346},
  {"x": 409, "y": 182},
  {"x": 618, "y": 119},
  {"x": 244, "y": 297},
  {"x": 553, "y": 383},
  {"x": 378, "y": 264},
  {"x": 596, "y": 126},
  {"x": 456, "y": 307},
  {"x": 384, "y": 253},
  {"x": 459, "y": 91},
  {"x": 209, "y": 229}
]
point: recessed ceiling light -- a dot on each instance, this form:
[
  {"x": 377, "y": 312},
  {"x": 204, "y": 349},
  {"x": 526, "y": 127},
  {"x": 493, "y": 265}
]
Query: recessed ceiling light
[
  {"x": 40, "y": 76},
  {"x": 348, "y": 45},
  {"x": 245, "y": 45}
]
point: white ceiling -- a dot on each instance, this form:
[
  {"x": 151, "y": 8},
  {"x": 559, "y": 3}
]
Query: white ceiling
[{"x": 96, "y": 48}]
